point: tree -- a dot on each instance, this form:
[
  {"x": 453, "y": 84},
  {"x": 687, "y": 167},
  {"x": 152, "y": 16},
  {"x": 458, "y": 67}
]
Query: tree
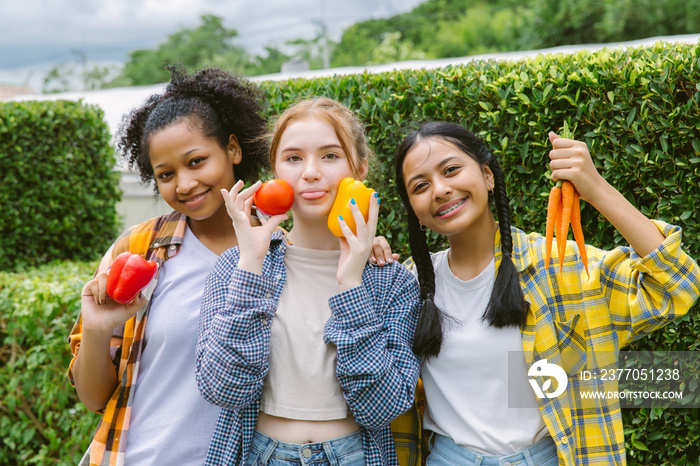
[
  {"x": 271, "y": 63},
  {"x": 209, "y": 44},
  {"x": 393, "y": 49},
  {"x": 58, "y": 79},
  {"x": 482, "y": 29},
  {"x": 65, "y": 77}
]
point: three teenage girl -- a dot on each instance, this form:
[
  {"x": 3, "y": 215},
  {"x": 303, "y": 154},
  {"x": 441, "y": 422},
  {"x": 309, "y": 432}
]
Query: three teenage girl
[
  {"x": 306, "y": 345},
  {"x": 490, "y": 294}
]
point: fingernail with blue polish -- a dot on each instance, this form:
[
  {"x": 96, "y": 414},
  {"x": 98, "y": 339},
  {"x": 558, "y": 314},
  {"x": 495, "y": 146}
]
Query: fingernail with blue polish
[
  {"x": 340, "y": 217},
  {"x": 352, "y": 201}
]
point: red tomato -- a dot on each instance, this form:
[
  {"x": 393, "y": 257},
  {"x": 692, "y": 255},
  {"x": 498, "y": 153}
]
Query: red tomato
[{"x": 274, "y": 197}]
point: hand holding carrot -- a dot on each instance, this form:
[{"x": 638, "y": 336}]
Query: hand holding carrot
[{"x": 569, "y": 159}]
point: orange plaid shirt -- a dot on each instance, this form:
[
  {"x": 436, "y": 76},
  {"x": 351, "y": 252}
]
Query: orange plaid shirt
[{"x": 157, "y": 239}]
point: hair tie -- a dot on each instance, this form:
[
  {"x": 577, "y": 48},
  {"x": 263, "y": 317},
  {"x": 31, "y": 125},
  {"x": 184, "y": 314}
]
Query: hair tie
[{"x": 429, "y": 296}]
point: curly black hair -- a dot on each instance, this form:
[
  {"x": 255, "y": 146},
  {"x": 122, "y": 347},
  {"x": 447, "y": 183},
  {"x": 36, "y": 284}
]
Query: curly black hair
[{"x": 221, "y": 103}]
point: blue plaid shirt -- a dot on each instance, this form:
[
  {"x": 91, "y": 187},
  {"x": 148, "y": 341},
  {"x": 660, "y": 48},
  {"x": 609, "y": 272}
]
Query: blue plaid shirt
[{"x": 371, "y": 325}]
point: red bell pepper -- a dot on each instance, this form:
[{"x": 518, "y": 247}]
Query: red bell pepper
[{"x": 129, "y": 274}]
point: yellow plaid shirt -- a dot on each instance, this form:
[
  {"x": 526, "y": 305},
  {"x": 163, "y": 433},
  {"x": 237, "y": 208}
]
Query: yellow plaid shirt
[
  {"x": 157, "y": 239},
  {"x": 574, "y": 321}
]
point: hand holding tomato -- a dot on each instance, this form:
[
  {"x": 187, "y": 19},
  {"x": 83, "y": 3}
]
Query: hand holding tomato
[
  {"x": 274, "y": 197},
  {"x": 253, "y": 240}
]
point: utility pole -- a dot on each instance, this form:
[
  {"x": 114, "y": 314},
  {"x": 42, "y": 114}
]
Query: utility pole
[
  {"x": 324, "y": 37},
  {"x": 82, "y": 53}
]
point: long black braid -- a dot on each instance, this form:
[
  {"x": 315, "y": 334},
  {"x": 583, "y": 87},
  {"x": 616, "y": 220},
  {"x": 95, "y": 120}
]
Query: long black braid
[
  {"x": 507, "y": 305},
  {"x": 427, "y": 339}
]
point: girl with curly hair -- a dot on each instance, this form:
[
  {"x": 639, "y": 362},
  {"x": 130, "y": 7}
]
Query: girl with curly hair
[{"x": 135, "y": 363}]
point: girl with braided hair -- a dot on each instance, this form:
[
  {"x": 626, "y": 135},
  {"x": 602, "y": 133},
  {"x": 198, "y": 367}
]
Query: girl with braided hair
[
  {"x": 493, "y": 310},
  {"x": 199, "y": 136}
]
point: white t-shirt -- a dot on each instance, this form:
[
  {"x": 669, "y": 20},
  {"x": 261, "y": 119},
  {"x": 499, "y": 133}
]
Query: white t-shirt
[
  {"x": 170, "y": 422},
  {"x": 466, "y": 386},
  {"x": 302, "y": 381}
]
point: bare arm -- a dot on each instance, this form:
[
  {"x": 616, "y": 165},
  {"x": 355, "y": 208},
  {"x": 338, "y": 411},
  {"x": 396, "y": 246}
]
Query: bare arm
[{"x": 94, "y": 374}]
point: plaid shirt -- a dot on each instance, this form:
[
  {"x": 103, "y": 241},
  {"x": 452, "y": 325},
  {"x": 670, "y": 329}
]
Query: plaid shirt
[
  {"x": 371, "y": 326},
  {"x": 573, "y": 322},
  {"x": 157, "y": 239}
]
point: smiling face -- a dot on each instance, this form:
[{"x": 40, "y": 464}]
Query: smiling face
[
  {"x": 447, "y": 189},
  {"x": 191, "y": 169},
  {"x": 311, "y": 158}
]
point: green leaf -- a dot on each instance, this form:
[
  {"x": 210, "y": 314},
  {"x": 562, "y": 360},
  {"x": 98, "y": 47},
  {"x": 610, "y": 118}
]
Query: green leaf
[
  {"x": 639, "y": 445},
  {"x": 524, "y": 98}
]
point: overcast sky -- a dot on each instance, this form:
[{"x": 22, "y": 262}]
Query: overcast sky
[{"x": 38, "y": 34}]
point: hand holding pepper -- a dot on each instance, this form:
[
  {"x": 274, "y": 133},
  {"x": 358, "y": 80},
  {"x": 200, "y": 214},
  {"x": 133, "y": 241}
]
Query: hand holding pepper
[
  {"x": 100, "y": 313},
  {"x": 348, "y": 189},
  {"x": 355, "y": 213}
]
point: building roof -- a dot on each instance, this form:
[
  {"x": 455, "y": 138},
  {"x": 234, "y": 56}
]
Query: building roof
[{"x": 11, "y": 90}]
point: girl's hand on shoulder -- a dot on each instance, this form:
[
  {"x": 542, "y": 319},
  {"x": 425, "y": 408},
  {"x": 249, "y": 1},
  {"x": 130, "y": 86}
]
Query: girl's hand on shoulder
[
  {"x": 253, "y": 240},
  {"x": 381, "y": 252},
  {"x": 356, "y": 248},
  {"x": 99, "y": 312},
  {"x": 571, "y": 160}
]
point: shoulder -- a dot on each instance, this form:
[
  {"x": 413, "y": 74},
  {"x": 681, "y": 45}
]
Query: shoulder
[
  {"x": 162, "y": 223},
  {"x": 526, "y": 247},
  {"x": 159, "y": 231},
  {"x": 390, "y": 278},
  {"x": 436, "y": 257}
]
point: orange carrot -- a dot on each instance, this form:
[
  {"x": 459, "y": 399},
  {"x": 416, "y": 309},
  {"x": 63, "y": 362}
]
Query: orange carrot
[
  {"x": 567, "y": 201},
  {"x": 553, "y": 206},
  {"x": 578, "y": 231}
]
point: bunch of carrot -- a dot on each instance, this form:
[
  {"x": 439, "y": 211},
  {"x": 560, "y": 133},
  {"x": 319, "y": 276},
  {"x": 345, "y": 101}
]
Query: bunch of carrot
[{"x": 563, "y": 209}]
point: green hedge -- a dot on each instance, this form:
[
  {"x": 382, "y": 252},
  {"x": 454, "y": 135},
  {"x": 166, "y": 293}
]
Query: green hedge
[
  {"x": 58, "y": 188},
  {"x": 638, "y": 110},
  {"x": 42, "y": 422}
]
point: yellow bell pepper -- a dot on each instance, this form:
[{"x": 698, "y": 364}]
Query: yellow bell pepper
[{"x": 349, "y": 188}]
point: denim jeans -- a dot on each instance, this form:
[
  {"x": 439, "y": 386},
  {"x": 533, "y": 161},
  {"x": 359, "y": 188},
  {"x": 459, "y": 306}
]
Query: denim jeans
[
  {"x": 445, "y": 452},
  {"x": 343, "y": 451}
]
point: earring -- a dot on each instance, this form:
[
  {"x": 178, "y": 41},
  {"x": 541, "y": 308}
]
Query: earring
[{"x": 422, "y": 227}]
